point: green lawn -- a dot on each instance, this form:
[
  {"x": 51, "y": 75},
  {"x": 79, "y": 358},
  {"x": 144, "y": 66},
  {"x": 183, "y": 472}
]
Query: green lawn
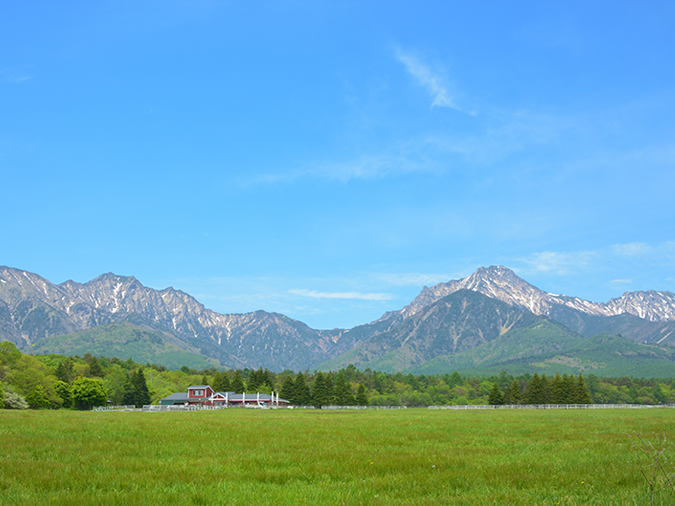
[{"x": 249, "y": 457}]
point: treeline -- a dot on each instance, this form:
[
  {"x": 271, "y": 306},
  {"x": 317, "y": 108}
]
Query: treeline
[{"x": 56, "y": 381}]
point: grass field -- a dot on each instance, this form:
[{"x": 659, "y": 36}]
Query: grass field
[{"x": 247, "y": 457}]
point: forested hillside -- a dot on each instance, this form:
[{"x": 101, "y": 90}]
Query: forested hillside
[{"x": 58, "y": 381}]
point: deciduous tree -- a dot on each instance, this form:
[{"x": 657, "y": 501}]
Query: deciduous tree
[{"x": 88, "y": 392}]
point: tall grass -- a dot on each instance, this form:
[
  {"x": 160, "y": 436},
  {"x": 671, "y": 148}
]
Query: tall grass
[{"x": 244, "y": 457}]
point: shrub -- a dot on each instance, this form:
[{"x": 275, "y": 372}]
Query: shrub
[{"x": 15, "y": 401}]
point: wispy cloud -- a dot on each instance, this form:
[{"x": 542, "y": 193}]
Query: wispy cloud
[
  {"x": 632, "y": 249},
  {"x": 433, "y": 80},
  {"x": 559, "y": 263},
  {"x": 413, "y": 279},
  {"x": 621, "y": 281},
  {"x": 342, "y": 295},
  {"x": 15, "y": 75},
  {"x": 365, "y": 167}
]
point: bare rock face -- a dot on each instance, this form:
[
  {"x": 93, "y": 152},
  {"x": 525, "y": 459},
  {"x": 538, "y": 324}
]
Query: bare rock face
[{"x": 503, "y": 284}]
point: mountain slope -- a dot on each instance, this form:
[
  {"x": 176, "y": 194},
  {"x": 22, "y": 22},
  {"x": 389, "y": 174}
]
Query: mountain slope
[
  {"x": 32, "y": 308},
  {"x": 645, "y": 316},
  {"x": 602, "y": 355},
  {"x": 126, "y": 340},
  {"x": 455, "y": 324},
  {"x": 503, "y": 284}
]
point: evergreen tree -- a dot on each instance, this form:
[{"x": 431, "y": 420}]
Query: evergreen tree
[
  {"x": 657, "y": 393},
  {"x": 581, "y": 391},
  {"x": 322, "y": 390},
  {"x": 95, "y": 369},
  {"x": 512, "y": 394},
  {"x": 205, "y": 380},
  {"x": 545, "y": 390},
  {"x": 254, "y": 381},
  {"x": 64, "y": 371},
  {"x": 302, "y": 393},
  {"x": 129, "y": 396},
  {"x": 141, "y": 392},
  {"x": 454, "y": 380},
  {"x": 2, "y": 396},
  {"x": 361, "y": 395},
  {"x": 569, "y": 391},
  {"x": 557, "y": 389},
  {"x": 342, "y": 394},
  {"x": 266, "y": 378},
  {"x": 495, "y": 398},
  {"x": 288, "y": 390},
  {"x": 216, "y": 381},
  {"x": 534, "y": 392},
  {"x": 237, "y": 384},
  {"x": 221, "y": 382}
]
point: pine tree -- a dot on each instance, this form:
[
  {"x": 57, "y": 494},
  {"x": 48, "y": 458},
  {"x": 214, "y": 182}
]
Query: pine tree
[
  {"x": 454, "y": 380},
  {"x": 288, "y": 390},
  {"x": 569, "y": 390},
  {"x": 545, "y": 390},
  {"x": 495, "y": 398},
  {"x": 302, "y": 393},
  {"x": 361, "y": 395},
  {"x": 253, "y": 383},
  {"x": 319, "y": 397},
  {"x": 534, "y": 392},
  {"x": 557, "y": 389},
  {"x": 221, "y": 382},
  {"x": 2, "y": 396},
  {"x": 342, "y": 394},
  {"x": 95, "y": 369},
  {"x": 512, "y": 394},
  {"x": 141, "y": 392},
  {"x": 582, "y": 396},
  {"x": 237, "y": 384},
  {"x": 205, "y": 380},
  {"x": 64, "y": 371}
]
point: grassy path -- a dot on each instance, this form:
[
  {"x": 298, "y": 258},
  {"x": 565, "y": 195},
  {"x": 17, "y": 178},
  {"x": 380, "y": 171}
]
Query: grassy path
[{"x": 244, "y": 457}]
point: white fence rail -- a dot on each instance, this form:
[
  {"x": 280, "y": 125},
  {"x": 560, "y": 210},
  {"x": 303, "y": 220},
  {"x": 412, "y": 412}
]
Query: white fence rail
[
  {"x": 558, "y": 406},
  {"x": 112, "y": 408}
]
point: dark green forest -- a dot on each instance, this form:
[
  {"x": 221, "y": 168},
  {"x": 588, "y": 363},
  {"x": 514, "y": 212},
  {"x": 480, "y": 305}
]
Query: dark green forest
[{"x": 57, "y": 381}]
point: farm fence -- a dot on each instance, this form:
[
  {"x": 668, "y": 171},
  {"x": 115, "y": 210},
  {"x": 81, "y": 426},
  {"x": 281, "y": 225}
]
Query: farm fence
[{"x": 557, "y": 406}]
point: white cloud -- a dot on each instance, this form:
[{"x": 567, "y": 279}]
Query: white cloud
[
  {"x": 342, "y": 295},
  {"x": 413, "y": 279},
  {"x": 621, "y": 281},
  {"x": 434, "y": 82},
  {"x": 560, "y": 263},
  {"x": 15, "y": 75},
  {"x": 632, "y": 249}
]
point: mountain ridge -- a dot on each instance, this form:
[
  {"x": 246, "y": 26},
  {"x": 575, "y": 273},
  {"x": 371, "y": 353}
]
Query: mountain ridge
[
  {"x": 503, "y": 284},
  {"x": 35, "y": 311}
]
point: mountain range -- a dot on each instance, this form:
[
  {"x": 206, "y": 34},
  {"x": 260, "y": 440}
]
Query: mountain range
[{"x": 490, "y": 320}]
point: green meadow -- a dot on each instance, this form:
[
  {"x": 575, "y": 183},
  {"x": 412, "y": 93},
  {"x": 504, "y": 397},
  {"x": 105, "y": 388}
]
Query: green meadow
[{"x": 247, "y": 457}]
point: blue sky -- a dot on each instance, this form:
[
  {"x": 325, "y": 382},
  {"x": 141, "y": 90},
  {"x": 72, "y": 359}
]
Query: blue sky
[{"x": 326, "y": 160}]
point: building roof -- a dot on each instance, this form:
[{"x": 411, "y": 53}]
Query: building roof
[{"x": 180, "y": 396}]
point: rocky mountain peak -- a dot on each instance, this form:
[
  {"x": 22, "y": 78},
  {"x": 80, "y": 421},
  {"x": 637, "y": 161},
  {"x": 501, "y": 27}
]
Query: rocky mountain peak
[{"x": 501, "y": 283}]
